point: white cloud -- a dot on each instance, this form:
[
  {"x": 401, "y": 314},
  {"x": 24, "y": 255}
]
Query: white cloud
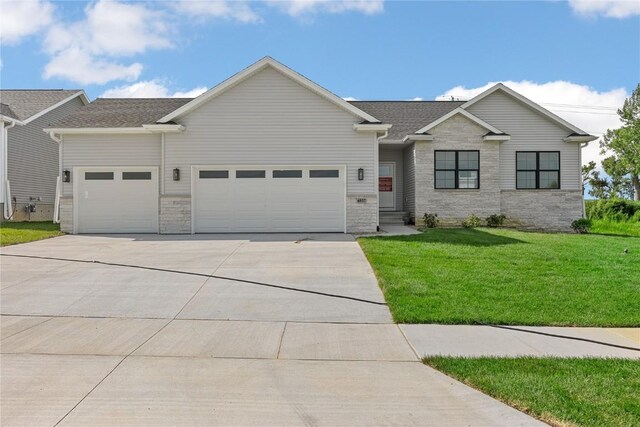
[
  {"x": 298, "y": 8},
  {"x": 350, "y": 98},
  {"x": 588, "y": 109},
  {"x": 150, "y": 89},
  {"x": 204, "y": 9},
  {"x": 110, "y": 30},
  {"x": 607, "y": 8},
  {"x": 417, "y": 98},
  {"x": 20, "y": 19}
]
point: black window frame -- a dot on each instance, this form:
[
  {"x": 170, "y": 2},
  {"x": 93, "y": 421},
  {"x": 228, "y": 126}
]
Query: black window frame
[
  {"x": 455, "y": 170},
  {"x": 537, "y": 170}
]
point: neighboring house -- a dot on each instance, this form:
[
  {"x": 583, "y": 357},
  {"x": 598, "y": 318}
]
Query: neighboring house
[
  {"x": 28, "y": 157},
  {"x": 270, "y": 151}
]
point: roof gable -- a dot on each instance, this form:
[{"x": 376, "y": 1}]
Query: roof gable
[
  {"x": 527, "y": 102},
  {"x": 28, "y": 105},
  {"x": 468, "y": 115},
  {"x": 256, "y": 68}
]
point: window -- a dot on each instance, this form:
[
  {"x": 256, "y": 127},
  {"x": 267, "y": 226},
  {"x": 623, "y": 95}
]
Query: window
[
  {"x": 98, "y": 176},
  {"x": 330, "y": 173},
  {"x": 250, "y": 174},
  {"x": 213, "y": 174},
  {"x": 537, "y": 170},
  {"x": 136, "y": 175},
  {"x": 287, "y": 174},
  {"x": 457, "y": 169}
]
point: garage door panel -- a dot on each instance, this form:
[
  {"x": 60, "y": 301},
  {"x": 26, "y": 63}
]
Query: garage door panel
[
  {"x": 285, "y": 200},
  {"x": 117, "y": 200}
]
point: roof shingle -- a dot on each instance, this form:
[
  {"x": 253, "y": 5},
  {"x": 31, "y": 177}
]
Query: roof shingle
[{"x": 25, "y": 103}]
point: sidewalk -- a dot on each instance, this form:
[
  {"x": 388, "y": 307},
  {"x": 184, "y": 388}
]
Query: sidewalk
[{"x": 514, "y": 341}]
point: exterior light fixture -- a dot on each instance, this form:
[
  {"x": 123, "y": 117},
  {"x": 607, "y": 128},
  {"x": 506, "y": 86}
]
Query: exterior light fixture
[
  {"x": 360, "y": 174},
  {"x": 66, "y": 175},
  {"x": 176, "y": 174}
]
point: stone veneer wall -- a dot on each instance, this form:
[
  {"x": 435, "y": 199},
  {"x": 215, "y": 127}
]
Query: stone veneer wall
[
  {"x": 66, "y": 214},
  {"x": 452, "y": 206},
  {"x": 362, "y": 213},
  {"x": 552, "y": 210},
  {"x": 175, "y": 215}
]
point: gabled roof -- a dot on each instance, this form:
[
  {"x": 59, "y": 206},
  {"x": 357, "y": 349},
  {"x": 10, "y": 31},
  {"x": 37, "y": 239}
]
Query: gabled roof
[
  {"x": 6, "y": 111},
  {"x": 464, "y": 113},
  {"x": 121, "y": 112},
  {"x": 406, "y": 116},
  {"x": 27, "y": 105},
  {"x": 526, "y": 101},
  {"x": 255, "y": 68}
]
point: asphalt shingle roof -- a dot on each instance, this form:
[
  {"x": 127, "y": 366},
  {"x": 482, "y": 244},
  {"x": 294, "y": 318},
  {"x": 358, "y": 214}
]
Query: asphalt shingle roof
[
  {"x": 6, "y": 111},
  {"x": 407, "y": 117},
  {"x": 24, "y": 103},
  {"x": 121, "y": 112}
]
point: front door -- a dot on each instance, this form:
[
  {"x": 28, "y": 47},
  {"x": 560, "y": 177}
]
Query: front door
[{"x": 386, "y": 185}]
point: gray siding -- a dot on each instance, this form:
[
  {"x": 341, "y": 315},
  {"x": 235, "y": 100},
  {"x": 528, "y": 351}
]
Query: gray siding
[
  {"x": 409, "y": 162},
  {"x": 270, "y": 120},
  {"x": 109, "y": 150},
  {"x": 396, "y": 156},
  {"x": 530, "y": 131},
  {"x": 33, "y": 156}
]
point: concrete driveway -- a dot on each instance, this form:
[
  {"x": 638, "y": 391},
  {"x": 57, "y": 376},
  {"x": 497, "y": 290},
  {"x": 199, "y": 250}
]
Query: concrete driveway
[{"x": 301, "y": 338}]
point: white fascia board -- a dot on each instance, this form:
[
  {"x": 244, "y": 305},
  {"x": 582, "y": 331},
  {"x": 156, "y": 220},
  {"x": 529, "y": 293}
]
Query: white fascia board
[
  {"x": 164, "y": 128},
  {"x": 371, "y": 127},
  {"x": 580, "y": 138},
  {"x": 464, "y": 113},
  {"x": 81, "y": 94},
  {"x": 500, "y": 138},
  {"x": 416, "y": 137},
  {"x": 80, "y": 131},
  {"x": 11, "y": 120},
  {"x": 255, "y": 68},
  {"x": 524, "y": 100}
]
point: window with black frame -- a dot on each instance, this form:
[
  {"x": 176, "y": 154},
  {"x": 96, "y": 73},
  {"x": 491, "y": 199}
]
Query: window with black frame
[
  {"x": 537, "y": 170},
  {"x": 457, "y": 169}
]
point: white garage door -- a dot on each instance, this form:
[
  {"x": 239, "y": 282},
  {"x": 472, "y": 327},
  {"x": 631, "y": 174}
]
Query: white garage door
[
  {"x": 268, "y": 199},
  {"x": 116, "y": 200}
]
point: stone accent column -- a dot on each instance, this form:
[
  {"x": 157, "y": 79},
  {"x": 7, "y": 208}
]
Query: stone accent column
[
  {"x": 175, "y": 215},
  {"x": 362, "y": 213},
  {"x": 549, "y": 210},
  {"x": 66, "y": 214}
]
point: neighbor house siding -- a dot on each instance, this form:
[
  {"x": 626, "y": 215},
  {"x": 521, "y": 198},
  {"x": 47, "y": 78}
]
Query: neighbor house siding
[
  {"x": 409, "y": 161},
  {"x": 270, "y": 120},
  {"x": 530, "y": 131},
  {"x": 395, "y": 156},
  {"x": 33, "y": 159},
  {"x": 109, "y": 150}
]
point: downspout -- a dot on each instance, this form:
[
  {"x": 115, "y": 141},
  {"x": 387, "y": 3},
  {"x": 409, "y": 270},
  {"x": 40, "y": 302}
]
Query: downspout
[
  {"x": 584, "y": 208},
  {"x": 161, "y": 177},
  {"x": 8, "y": 207},
  {"x": 376, "y": 177},
  {"x": 56, "y": 205}
]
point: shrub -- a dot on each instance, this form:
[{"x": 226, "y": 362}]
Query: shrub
[
  {"x": 613, "y": 209},
  {"x": 581, "y": 226},
  {"x": 495, "y": 220},
  {"x": 472, "y": 222},
  {"x": 430, "y": 220}
]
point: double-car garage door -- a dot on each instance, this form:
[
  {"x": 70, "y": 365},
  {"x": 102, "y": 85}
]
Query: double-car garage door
[
  {"x": 224, "y": 199},
  {"x": 268, "y": 199}
]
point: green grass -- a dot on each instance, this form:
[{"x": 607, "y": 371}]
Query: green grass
[
  {"x": 604, "y": 226},
  {"x": 583, "y": 392},
  {"x": 22, "y": 232},
  {"x": 499, "y": 276}
]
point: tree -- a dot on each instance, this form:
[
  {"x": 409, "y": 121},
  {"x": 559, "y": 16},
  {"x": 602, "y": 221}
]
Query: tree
[
  {"x": 587, "y": 173},
  {"x": 624, "y": 145}
]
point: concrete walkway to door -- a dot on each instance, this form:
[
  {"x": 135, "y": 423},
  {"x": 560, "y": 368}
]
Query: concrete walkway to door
[{"x": 145, "y": 336}]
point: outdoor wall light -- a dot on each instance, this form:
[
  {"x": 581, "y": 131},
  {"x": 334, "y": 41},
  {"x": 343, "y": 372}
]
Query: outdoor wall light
[
  {"x": 66, "y": 175},
  {"x": 360, "y": 174},
  {"x": 176, "y": 174}
]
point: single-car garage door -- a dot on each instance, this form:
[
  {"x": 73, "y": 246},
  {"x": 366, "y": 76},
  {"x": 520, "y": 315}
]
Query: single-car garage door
[
  {"x": 116, "y": 200},
  {"x": 268, "y": 199}
]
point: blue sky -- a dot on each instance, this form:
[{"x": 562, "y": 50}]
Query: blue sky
[{"x": 580, "y": 53}]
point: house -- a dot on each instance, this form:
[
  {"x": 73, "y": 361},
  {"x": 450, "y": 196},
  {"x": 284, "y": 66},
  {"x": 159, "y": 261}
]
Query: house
[
  {"x": 28, "y": 158},
  {"x": 268, "y": 150}
]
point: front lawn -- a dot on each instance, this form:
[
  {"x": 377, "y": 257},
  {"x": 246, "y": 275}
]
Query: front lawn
[
  {"x": 22, "y": 232},
  {"x": 499, "y": 276},
  {"x": 623, "y": 228},
  {"x": 561, "y": 392}
]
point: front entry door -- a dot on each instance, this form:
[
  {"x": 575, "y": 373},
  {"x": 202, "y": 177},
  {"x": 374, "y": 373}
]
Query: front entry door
[{"x": 387, "y": 185}]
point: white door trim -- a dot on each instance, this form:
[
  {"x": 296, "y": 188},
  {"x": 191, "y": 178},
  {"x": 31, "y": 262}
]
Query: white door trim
[{"x": 393, "y": 183}]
